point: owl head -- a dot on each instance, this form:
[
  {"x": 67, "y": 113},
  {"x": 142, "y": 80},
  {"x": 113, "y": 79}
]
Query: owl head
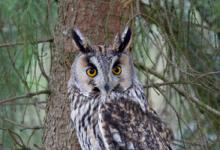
[{"x": 102, "y": 69}]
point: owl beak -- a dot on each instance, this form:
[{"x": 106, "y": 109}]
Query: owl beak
[{"x": 107, "y": 88}]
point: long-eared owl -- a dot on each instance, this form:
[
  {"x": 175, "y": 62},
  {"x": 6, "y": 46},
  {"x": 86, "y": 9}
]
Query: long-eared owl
[{"x": 109, "y": 110}]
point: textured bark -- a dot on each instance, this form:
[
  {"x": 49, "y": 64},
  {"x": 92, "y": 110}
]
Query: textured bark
[{"x": 97, "y": 20}]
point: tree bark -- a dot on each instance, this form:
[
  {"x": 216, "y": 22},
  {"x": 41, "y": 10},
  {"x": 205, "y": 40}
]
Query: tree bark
[{"x": 99, "y": 20}]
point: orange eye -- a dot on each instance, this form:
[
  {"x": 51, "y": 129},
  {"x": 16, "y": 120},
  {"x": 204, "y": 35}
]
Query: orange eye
[
  {"x": 91, "y": 72},
  {"x": 116, "y": 70}
]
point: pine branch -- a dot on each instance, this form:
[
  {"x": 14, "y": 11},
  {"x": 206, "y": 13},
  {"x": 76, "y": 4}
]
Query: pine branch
[
  {"x": 169, "y": 83},
  {"x": 22, "y": 43},
  {"x": 28, "y": 95},
  {"x": 180, "y": 91},
  {"x": 24, "y": 126}
]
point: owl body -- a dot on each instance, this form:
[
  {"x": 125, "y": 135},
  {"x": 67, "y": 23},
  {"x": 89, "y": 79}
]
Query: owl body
[{"x": 108, "y": 108}]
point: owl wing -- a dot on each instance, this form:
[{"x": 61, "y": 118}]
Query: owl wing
[{"x": 125, "y": 126}]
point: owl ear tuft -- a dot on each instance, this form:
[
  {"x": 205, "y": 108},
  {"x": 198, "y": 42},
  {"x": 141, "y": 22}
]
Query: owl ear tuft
[
  {"x": 122, "y": 42},
  {"x": 80, "y": 41}
]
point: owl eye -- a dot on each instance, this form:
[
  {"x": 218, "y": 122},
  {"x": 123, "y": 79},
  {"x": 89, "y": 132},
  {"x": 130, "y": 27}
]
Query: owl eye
[
  {"x": 91, "y": 72},
  {"x": 116, "y": 70}
]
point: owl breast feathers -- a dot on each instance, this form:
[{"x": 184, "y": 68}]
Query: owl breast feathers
[{"x": 109, "y": 110}]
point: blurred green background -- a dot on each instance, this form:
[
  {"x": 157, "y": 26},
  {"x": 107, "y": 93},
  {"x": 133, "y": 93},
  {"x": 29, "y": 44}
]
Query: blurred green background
[
  {"x": 26, "y": 29},
  {"x": 176, "y": 49}
]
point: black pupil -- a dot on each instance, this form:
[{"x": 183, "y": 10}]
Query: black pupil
[
  {"x": 92, "y": 71},
  {"x": 116, "y": 69}
]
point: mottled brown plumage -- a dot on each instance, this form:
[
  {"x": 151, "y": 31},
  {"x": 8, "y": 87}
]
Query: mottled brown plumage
[
  {"x": 126, "y": 126},
  {"x": 108, "y": 107}
]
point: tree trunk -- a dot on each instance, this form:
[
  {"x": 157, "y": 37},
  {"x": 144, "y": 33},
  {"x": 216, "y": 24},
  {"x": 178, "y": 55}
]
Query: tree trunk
[{"x": 98, "y": 20}]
